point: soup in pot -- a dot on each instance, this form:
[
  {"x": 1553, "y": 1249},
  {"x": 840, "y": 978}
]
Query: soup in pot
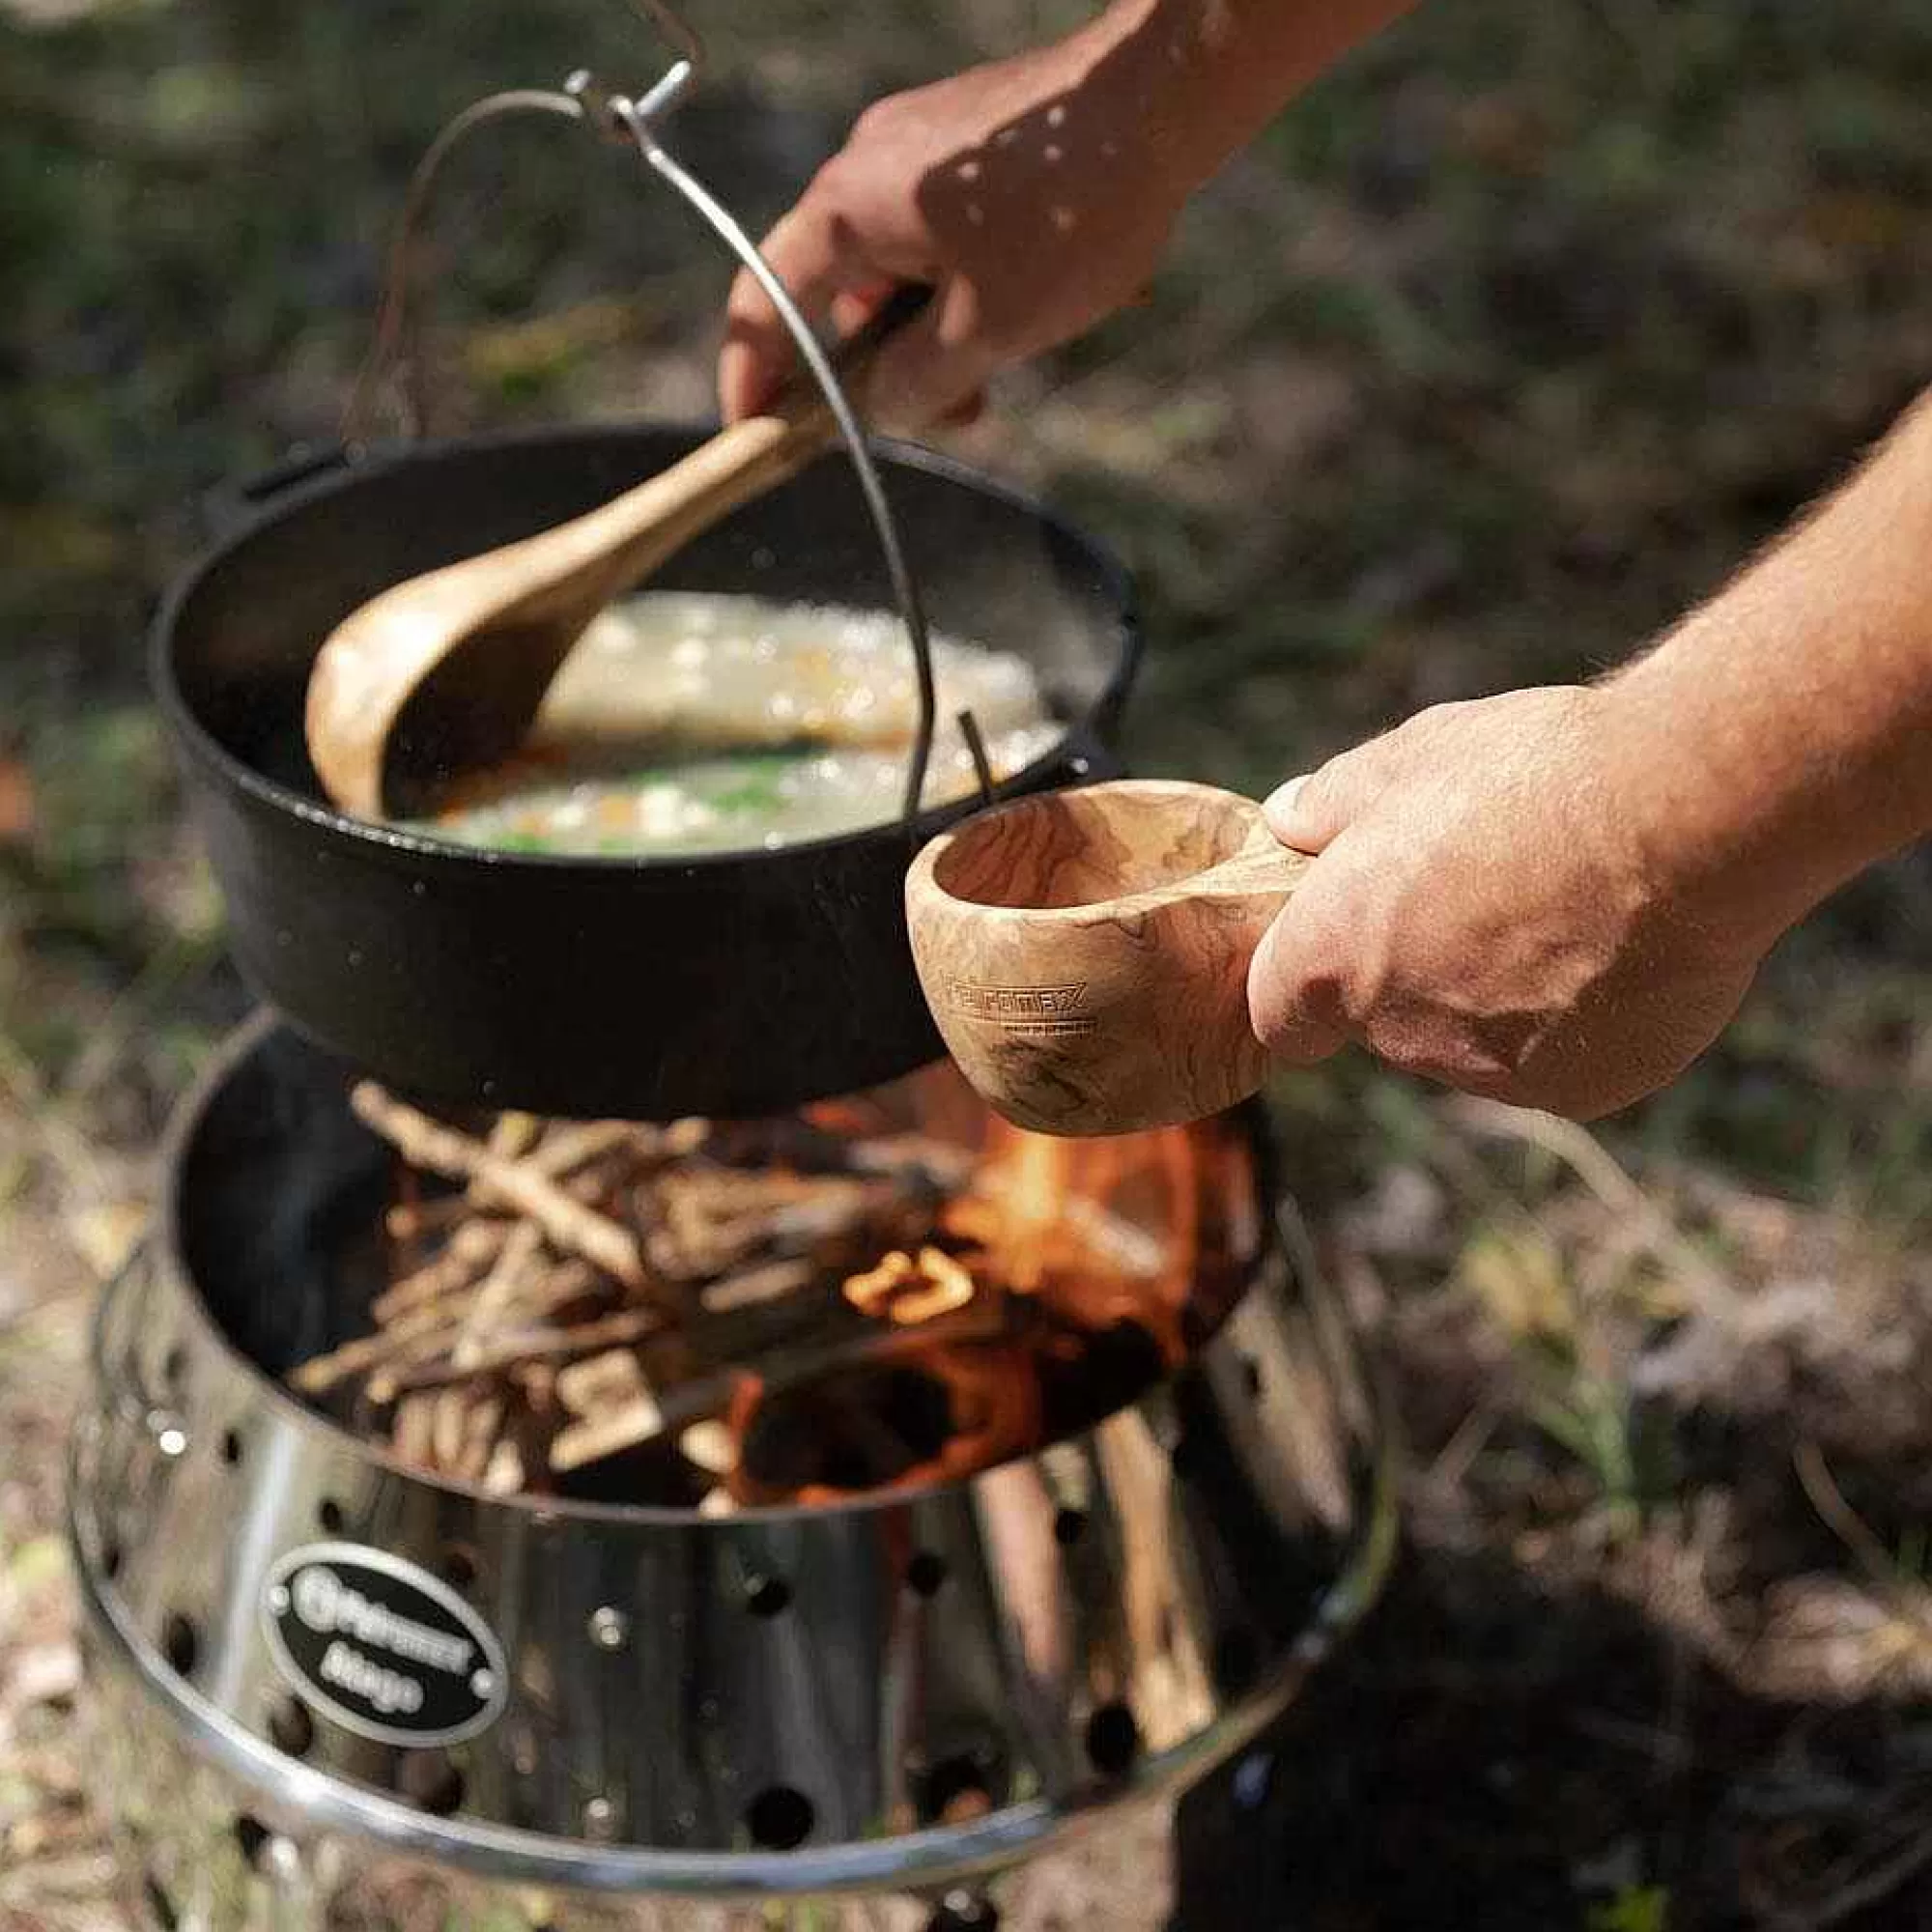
[{"x": 693, "y": 723}]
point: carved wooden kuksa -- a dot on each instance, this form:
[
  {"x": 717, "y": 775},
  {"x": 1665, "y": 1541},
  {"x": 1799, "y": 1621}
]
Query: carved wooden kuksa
[{"x": 1086, "y": 953}]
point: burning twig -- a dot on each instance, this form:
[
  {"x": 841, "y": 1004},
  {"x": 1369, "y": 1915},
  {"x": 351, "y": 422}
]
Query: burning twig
[
  {"x": 709, "y": 1446},
  {"x": 571, "y": 1225},
  {"x": 498, "y": 1291},
  {"x": 784, "y": 1262},
  {"x": 911, "y": 1293},
  {"x": 416, "y": 1220},
  {"x": 471, "y": 1249},
  {"x": 757, "y": 1287},
  {"x": 522, "y": 1347},
  {"x": 645, "y": 1416}
]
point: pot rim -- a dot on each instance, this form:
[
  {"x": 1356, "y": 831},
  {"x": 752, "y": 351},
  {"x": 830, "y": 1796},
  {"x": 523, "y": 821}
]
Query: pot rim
[{"x": 1071, "y": 748}]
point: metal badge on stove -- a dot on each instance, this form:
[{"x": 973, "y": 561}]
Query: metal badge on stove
[{"x": 381, "y": 1647}]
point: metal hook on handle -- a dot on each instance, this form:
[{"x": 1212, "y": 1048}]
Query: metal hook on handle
[{"x": 689, "y": 63}]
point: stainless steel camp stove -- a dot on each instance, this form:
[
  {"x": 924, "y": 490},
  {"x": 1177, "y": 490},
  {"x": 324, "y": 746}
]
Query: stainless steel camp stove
[
  {"x": 331, "y": 1691},
  {"x": 334, "y": 1694}
]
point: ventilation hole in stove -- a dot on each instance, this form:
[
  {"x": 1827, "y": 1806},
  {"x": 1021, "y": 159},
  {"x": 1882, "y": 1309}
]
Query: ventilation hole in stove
[
  {"x": 458, "y": 1566},
  {"x": 768, "y": 1597},
  {"x": 111, "y": 1557},
  {"x": 232, "y": 1448},
  {"x": 1069, "y": 1526},
  {"x": 160, "y": 1907},
  {"x": 180, "y": 1643},
  {"x": 291, "y": 1727},
  {"x": 1113, "y": 1740},
  {"x": 328, "y": 1513},
  {"x": 779, "y": 1819},
  {"x": 1238, "y": 1660},
  {"x": 926, "y": 1574},
  {"x": 956, "y": 1791},
  {"x": 963, "y": 1911},
  {"x": 174, "y": 1369},
  {"x": 1253, "y": 1379},
  {"x": 429, "y": 1782},
  {"x": 252, "y": 1835}
]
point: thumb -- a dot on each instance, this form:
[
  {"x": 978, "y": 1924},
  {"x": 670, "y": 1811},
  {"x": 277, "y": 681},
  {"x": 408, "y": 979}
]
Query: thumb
[
  {"x": 1309, "y": 813},
  {"x": 1293, "y": 1000}
]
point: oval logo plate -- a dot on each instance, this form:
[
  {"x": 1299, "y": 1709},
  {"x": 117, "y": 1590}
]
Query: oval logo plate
[{"x": 386, "y": 1649}]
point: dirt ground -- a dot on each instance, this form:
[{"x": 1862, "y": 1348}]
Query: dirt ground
[{"x": 1511, "y": 339}]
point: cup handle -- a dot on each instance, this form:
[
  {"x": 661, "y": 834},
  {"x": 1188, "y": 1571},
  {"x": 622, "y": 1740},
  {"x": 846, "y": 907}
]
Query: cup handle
[{"x": 1263, "y": 866}]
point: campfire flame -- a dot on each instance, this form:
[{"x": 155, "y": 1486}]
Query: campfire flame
[
  {"x": 1100, "y": 1231},
  {"x": 1043, "y": 1218},
  {"x": 877, "y": 1293},
  {"x": 1051, "y": 1240}
]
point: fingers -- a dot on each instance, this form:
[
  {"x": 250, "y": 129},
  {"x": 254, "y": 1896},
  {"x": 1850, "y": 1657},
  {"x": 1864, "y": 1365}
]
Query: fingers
[
  {"x": 1293, "y": 1005},
  {"x": 851, "y": 312},
  {"x": 1309, "y": 813},
  {"x": 814, "y": 252},
  {"x": 936, "y": 368},
  {"x": 963, "y": 415},
  {"x": 1294, "y": 978},
  {"x": 853, "y": 308},
  {"x": 1294, "y": 982}
]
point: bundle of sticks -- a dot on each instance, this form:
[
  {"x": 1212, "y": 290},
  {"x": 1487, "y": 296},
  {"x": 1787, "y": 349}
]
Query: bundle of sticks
[{"x": 561, "y": 1294}]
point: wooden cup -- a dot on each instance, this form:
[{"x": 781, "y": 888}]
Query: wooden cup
[{"x": 1086, "y": 953}]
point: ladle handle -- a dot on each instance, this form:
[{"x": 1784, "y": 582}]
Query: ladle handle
[{"x": 627, "y": 538}]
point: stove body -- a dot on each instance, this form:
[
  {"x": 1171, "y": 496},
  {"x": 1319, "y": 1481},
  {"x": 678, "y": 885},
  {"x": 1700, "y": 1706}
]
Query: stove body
[{"x": 334, "y": 1692}]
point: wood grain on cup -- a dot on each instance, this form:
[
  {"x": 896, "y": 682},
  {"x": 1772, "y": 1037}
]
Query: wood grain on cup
[{"x": 1086, "y": 953}]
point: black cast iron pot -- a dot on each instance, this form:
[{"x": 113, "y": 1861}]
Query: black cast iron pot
[{"x": 648, "y": 988}]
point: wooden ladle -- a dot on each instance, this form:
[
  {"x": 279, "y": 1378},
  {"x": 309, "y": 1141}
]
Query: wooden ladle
[
  {"x": 1086, "y": 953},
  {"x": 444, "y": 673}
]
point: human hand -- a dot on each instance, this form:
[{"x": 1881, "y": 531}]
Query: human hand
[
  {"x": 1034, "y": 195},
  {"x": 1495, "y": 905}
]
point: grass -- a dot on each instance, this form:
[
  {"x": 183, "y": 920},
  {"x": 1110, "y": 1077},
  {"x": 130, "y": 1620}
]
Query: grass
[{"x": 1514, "y": 338}]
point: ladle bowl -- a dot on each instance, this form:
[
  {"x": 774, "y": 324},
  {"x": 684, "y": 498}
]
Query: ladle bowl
[{"x": 1086, "y": 953}]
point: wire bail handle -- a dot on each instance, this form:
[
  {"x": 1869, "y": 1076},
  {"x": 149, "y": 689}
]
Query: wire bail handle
[{"x": 632, "y": 122}]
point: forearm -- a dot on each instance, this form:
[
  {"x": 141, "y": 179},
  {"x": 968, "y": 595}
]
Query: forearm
[
  {"x": 1200, "y": 79},
  {"x": 1035, "y": 195},
  {"x": 1782, "y": 736}
]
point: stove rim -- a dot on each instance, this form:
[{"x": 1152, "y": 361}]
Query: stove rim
[
  {"x": 313, "y": 1804},
  {"x": 161, "y": 1245}
]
